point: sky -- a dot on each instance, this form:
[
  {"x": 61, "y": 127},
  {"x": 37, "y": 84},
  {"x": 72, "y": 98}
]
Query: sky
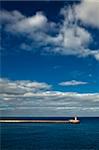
[{"x": 49, "y": 58}]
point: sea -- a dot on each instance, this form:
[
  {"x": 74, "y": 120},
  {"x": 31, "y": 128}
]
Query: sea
[{"x": 51, "y": 136}]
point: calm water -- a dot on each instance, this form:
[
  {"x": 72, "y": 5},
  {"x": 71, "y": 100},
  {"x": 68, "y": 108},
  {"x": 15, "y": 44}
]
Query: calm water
[{"x": 44, "y": 136}]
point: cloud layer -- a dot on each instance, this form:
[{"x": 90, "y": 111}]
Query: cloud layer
[
  {"x": 67, "y": 37},
  {"x": 37, "y": 99},
  {"x": 72, "y": 83}
]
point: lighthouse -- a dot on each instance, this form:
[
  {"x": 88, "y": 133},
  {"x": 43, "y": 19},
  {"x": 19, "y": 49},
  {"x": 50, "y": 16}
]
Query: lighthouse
[{"x": 75, "y": 120}]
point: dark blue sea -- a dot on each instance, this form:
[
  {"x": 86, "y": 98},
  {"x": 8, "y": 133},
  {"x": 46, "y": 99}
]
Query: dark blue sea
[{"x": 47, "y": 136}]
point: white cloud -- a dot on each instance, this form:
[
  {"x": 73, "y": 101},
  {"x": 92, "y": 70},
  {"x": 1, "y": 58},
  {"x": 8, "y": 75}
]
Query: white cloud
[
  {"x": 96, "y": 54},
  {"x": 21, "y": 87},
  {"x": 67, "y": 37},
  {"x": 88, "y": 12},
  {"x": 28, "y": 24},
  {"x": 75, "y": 36},
  {"x": 19, "y": 97},
  {"x": 76, "y": 39},
  {"x": 16, "y": 22},
  {"x": 10, "y": 17},
  {"x": 72, "y": 83}
]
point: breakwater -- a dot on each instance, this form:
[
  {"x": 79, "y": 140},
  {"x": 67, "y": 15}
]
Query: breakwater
[
  {"x": 33, "y": 121},
  {"x": 38, "y": 121}
]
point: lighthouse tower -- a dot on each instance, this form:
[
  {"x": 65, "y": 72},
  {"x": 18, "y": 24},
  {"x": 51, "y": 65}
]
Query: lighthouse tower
[{"x": 75, "y": 118}]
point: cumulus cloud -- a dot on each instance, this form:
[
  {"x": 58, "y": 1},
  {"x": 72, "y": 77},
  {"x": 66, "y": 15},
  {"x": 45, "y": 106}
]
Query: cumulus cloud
[
  {"x": 21, "y": 87},
  {"x": 36, "y": 22},
  {"x": 67, "y": 37},
  {"x": 16, "y": 22},
  {"x": 88, "y": 12},
  {"x": 19, "y": 97},
  {"x": 76, "y": 38},
  {"x": 72, "y": 83},
  {"x": 10, "y": 17}
]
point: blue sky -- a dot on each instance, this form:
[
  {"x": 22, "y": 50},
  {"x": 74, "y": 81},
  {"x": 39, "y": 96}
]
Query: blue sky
[{"x": 49, "y": 58}]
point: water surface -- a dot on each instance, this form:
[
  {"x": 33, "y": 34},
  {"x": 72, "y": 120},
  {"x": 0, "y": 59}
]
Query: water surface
[{"x": 47, "y": 136}]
